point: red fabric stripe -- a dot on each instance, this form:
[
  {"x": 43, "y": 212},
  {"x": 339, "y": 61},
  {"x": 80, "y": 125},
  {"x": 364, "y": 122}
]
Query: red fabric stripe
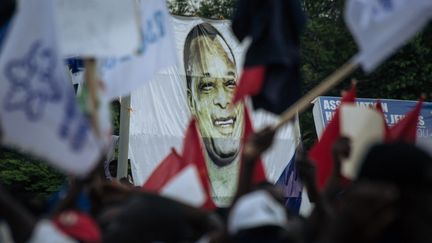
[
  {"x": 406, "y": 129},
  {"x": 166, "y": 170},
  {"x": 259, "y": 172},
  {"x": 251, "y": 82},
  {"x": 321, "y": 151},
  {"x": 379, "y": 108},
  {"x": 193, "y": 154}
]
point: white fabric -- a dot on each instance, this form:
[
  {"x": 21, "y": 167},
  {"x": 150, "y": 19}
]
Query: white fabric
[
  {"x": 5, "y": 234},
  {"x": 157, "y": 52},
  {"x": 306, "y": 206},
  {"x": 46, "y": 232},
  {"x": 98, "y": 28},
  {"x": 256, "y": 209},
  {"x": 160, "y": 114},
  {"x": 186, "y": 187},
  {"x": 365, "y": 127},
  {"x": 38, "y": 111},
  {"x": 380, "y": 27}
]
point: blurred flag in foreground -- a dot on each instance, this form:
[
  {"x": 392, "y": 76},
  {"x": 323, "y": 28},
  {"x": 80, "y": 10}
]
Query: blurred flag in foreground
[
  {"x": 157, "y": 51},
  {"x": 366, "y": 127},
  {"x": 380, "y": 27},
  {"x": 271, "y": 73},
  {"x": 183, "y": 177},
  {"x": 38, "y": 110},
  {"x": 259, "y": 172},
  {"x": 97, "y": 28},
  {"x": 321, "y": 151},
  {"x": 406, "y": 129}
]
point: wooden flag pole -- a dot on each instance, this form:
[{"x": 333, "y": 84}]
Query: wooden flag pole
[
  {"x": 304, "y": 102},
  {"x": 92, "y": 85}
]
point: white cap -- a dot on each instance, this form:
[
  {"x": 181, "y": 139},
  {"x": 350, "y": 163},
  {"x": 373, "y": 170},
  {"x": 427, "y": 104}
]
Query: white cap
[
  {"x": 46, "y": 232},
  {"x": 256, "y": 209}
]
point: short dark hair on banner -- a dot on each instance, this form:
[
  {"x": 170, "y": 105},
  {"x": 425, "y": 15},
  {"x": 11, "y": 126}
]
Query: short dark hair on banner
[{"x": 204, "y": 29}]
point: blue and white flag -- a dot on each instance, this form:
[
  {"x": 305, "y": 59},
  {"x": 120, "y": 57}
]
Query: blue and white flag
[
  {"x": 157, "y": 51},
  {"x": 38, "y": 110},
  {"x": 380, "y": 27},
  {"x": 97, "y": 28},
  {"x": 291, "y": 186}
]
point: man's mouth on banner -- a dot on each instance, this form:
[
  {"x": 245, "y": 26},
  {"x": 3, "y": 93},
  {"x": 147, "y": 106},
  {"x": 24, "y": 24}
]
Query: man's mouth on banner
[{"x": 225, "y": 125}]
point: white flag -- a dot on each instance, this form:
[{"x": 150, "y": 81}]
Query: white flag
[
  {"x": 380, "y": 27},
  {"x": 365, "y": 127},
  {"x": 38, "y": 110},
  {"x": 97, "y": 28},
  {"x": 186, "y": 187},
  {"x": 157, "y": 51}
]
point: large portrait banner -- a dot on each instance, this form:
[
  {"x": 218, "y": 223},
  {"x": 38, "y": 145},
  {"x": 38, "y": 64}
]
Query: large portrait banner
[{"x": 202, "y": 85}]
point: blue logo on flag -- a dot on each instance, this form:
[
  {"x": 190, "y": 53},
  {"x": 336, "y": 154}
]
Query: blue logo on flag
[
  {"x": 154, "y": 30},
  {"x": 74, "y": 127},
  {"x": 32, "y": 82},
  {"x": 386, "y": 4}
]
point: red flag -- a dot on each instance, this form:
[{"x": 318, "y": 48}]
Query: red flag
[
  {"x": 173, "y": 164},
  {"x": 406, "y": 129},
  {"x": 259, "y": 172},
  {"x": 193, "y": 154},
  {"x": 321, "y": 152},
  {"x": 250, "y": 83},
  {"x": 379, "y": 108},
  {"x": 166, "y": 170}
]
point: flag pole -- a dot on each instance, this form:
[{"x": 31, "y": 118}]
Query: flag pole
[
  {"x": 91, "y": 79},
  {"x": 304, "y": 102},
  {"x": 122, "y": 162}
]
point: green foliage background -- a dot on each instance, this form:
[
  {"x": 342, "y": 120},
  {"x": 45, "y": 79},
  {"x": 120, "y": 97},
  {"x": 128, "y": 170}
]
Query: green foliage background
[
  {"x": 326, "y": 45},
  {"x": 24, "y": 175}
]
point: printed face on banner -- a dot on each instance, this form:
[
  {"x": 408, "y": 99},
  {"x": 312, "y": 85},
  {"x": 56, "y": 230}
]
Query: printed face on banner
[
  {"x": 211, "y": 78},
  {"x": 203, "y": 87}
]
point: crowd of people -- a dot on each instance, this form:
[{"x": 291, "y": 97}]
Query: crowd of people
[{"x": 389, "y": 201}]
